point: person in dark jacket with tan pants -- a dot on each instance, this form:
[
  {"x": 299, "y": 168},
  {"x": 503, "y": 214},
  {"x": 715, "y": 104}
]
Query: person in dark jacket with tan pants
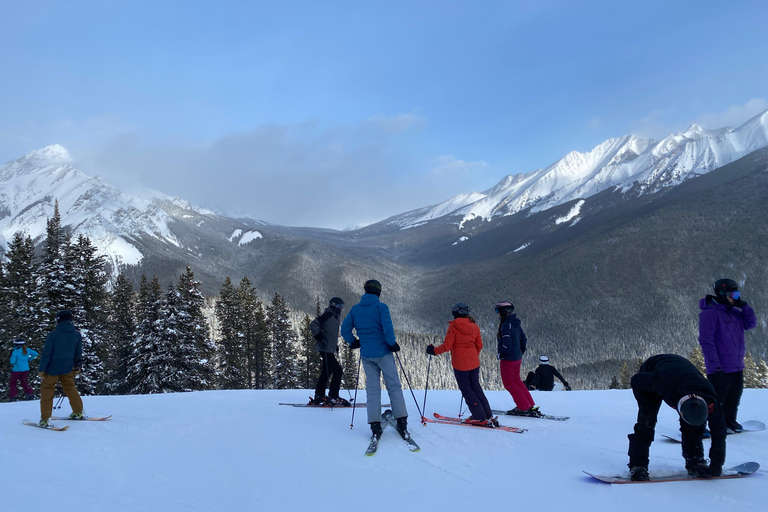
[{"x": 60, "y": 362}]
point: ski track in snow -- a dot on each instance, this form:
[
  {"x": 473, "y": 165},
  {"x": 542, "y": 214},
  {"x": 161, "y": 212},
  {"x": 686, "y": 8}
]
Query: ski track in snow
[{"x": 240, "y": 450}]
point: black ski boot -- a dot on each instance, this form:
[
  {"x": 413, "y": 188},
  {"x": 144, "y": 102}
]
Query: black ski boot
[
  {"x": 376, "y": 429},
  {"x": 697, "y": 468},
  {"x": 639, "y": 474},
  {"x": 402, "y": 427}
]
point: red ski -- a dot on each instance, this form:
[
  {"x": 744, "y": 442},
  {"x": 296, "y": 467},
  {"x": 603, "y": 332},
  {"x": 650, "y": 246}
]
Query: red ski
[{"x": 447, "y": 420}]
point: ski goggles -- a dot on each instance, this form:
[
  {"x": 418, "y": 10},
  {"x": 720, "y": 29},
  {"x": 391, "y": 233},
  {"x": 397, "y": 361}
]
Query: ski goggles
[{"x": 735, "y": 295}]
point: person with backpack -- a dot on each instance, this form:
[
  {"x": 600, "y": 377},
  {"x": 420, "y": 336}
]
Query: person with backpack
[
  {"x": 372, "y": 322},
  {"x": 464, "y": 342},
  {"x": 20, "y": 358},
  {"x": 722, "y": 321},
  {"x": 543, "y": 378},
  {"x": 676, "y": 381},
  {"x": 325, "y": 330},
  {"x": 511, "y": 347},
  {"x": 60, "y": 362}
]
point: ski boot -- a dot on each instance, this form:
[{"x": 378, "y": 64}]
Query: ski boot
[
  {"x": 735, "y": 427},
  {"x": 77, "y": 416},
  {"x": 402, "y": 427},
  {"x": 339, "y": 402},
  {"x": 13, "y": 399},
  {"x": 639, "y": 474},
  {"x": 29, "y": 397},
  {"x": 697, "y": 468},
  {"x": 43, "y": 423},
  {"x": 376, "y": 429},
  {"x": 318, "y": 400}
]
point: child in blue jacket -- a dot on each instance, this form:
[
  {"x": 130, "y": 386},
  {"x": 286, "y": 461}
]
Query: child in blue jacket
[{"x": 20, "y": 358}]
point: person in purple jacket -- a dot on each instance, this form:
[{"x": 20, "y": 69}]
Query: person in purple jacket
[{"x": 723, "y": 319}]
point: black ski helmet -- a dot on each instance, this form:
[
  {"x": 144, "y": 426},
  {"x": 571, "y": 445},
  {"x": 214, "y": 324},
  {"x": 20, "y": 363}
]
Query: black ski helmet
[
  {"x": 336, "y": 302},
  {"x": 693, "y": 409},
  {"x": 19, "y": 342},
  {"x": 504, "y": 307},
  {"x": 460, "y": 309},
  {"x": 723, "y": 286},
  {"x": 372, "y": 286}
]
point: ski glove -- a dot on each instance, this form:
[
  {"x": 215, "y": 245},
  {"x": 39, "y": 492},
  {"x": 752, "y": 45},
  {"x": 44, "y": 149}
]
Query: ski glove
[
  {"x": 739, "y": 303},
  {"x": 394, "y": 348},
  {"x": 355, "y": 344},
  {"x": 431, "y": 349}
]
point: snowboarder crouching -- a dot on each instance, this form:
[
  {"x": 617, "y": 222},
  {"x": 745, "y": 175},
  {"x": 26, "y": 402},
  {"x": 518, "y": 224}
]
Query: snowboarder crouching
[{"x": 675, "y": 380}]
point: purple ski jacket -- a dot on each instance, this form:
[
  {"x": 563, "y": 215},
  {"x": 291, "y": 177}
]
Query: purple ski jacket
[{"x": 721, "y": 334}]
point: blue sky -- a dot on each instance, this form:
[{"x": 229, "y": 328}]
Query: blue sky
[{"x": 339, "y": 113}]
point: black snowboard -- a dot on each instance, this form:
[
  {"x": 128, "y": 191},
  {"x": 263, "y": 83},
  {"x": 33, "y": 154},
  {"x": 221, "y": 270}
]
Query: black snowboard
[{"x": 739, "y": 471}]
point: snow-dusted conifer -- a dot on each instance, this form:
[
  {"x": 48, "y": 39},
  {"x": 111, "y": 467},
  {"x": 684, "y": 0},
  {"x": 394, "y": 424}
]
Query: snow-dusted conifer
[
  {"x": 231, "y": 346},
  {"x": 144, "y": 367},
  {"x": 122, "y": 326},
  {"x": 284, "y": 370},
  {"x": 194, "y": 332}
]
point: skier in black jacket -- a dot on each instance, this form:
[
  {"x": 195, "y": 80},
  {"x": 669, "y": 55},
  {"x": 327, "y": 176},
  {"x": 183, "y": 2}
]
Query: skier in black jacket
[
  {"x": 325, "y": 330},
  {"x": 544, "y": 377},
  {"x": 676, "y": 381}
]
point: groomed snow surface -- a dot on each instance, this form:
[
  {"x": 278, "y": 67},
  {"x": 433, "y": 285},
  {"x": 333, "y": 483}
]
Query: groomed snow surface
[{"x": 240, "y": 450}]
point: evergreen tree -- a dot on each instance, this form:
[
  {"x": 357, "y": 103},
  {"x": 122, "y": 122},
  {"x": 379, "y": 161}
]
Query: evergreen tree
[
  {"x": 194, "y": 332},
  {"x": 696, "y": 356},
  {"x": 282, "y": 338},
  {"x": 86, "y": 296},
  {"x": 625, "y": 375},
  {"x": 122, "y": 326},
  {"x": 231, "y": 350},
  {"x": 144, "y": 364},
  {"x": 349, "y": 365},
  {"x": 614, "y": 383},
  {"x": 762, "y": 374},
  {"x": 52, "y": 274},
  {"x": 751, "y": 379},
  {"x": 257, "y": 348},
  {"x": 311, "y": 367}
]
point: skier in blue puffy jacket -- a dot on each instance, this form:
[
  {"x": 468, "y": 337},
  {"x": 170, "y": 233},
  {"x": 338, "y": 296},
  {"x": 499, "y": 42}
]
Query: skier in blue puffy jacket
[
  {"x": 372, "y": 322},
  {"x": 20, "y": 358}
]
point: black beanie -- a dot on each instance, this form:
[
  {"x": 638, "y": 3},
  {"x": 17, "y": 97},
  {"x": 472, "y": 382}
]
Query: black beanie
[{"x": 63, "y": 316}]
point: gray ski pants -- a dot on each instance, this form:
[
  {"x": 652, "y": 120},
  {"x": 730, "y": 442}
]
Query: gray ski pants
[{"x": 375, "y": 368}]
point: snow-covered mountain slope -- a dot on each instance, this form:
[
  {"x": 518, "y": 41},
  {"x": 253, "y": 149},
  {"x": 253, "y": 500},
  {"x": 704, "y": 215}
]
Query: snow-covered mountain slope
[
  {"x": 240, "y": 450},
  {"x": 31, "y": 185},
  {"x": 626, "y": 164}
]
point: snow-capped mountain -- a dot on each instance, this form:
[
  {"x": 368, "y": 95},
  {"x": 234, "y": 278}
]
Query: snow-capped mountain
[
  {"x": 626, "y": 164},
  {"x": 31, "y": 185}
]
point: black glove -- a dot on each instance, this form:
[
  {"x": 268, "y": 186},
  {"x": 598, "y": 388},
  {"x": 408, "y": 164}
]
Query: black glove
[
  {"x": 567, "y": 387},
  {"x": 739, "y": 303},
  {"x": 394, "y": 348},
  {"x": 355, "y": 344},
  {"x": 431, "y": 349}
]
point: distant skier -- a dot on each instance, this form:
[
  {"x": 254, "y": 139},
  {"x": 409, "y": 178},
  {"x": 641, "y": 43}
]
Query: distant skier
[
  {"x": 723, "y": 319},
  {"x": 20, "y": 358},
  {"x": 543, "y": 378},
  {"x": 464, "y": 341},
  {"x": 675, "y": 380},
  {"x": 60, "y": 362},
  {"x": 511, "y": 347},
  {"x": 325, "y": 329},
  {"x": 372, "y": 322}
]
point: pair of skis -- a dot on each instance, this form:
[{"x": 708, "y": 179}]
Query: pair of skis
[
  {"x": 388, "y": 418},
  {"x": 64, "y": 418}
]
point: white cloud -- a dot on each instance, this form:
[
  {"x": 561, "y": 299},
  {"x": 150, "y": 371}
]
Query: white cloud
[
  {"x": 734, "y": 116},
  {"x": 395, "y": 124},
  {"x": 656, "y": 125},
  {"x": 448, "y": 166}
]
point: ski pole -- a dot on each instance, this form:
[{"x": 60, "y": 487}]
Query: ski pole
[
  {"x": 426, "y": 388},
  {"x": 411, "y": 388},
  {"x": 461, "y": 405},
  {"x": 58, "y": 402},
  {"x": 357, "y": 382}
]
